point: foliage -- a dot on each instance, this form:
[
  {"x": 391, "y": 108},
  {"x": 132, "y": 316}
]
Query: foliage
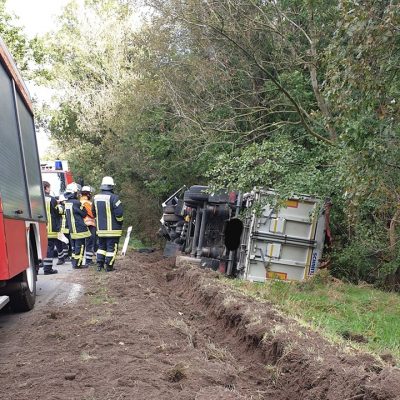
[
  {"x": 29, "y": 55},
  {"x": 14, "y": 37},
  {"x": 300, "y": 96}
]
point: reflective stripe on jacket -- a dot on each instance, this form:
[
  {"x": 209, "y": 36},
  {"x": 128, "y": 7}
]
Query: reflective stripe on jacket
[
  {"x": 53, "y": 212},
  {"x": 107, "y": 209},
  {"x": 75, "y": 213},
  {"x": 64, "y": 227}
]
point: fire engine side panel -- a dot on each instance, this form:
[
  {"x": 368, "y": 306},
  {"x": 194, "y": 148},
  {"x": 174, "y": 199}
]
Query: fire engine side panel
[
  {"x": 31, "y": 161},
  {"x": 12, "y": 178},
  {"x": 3, "y": 249},
  {"x": 17, "y": 251},
  {"x": 21, "y": 196},
  {"x": 43, "y": 240}
]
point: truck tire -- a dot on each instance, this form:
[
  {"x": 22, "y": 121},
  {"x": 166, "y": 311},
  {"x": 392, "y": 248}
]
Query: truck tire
[
  {"x": 171, "y": 218},
  {"x": 169, "y": 209},
  {"x": 196, "y": 194},
  {"x": 24, "y": 299}
]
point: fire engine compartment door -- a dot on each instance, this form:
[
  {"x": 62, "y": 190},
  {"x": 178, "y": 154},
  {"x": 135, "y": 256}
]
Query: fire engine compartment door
[
  {"x": 12, "y": 178},
  {"x": 283, "y": 242},
  {"x": 32, "y": 163}
]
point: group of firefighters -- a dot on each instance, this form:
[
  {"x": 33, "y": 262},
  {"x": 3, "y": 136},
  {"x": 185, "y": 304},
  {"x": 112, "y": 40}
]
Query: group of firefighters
[{"x": 82, "y": 226}]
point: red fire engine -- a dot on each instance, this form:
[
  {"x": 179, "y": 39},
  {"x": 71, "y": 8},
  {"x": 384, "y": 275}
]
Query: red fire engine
[{"x": 23, "y": 239}]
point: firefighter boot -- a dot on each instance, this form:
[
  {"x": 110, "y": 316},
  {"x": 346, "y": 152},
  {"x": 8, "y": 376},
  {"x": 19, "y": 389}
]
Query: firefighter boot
[
  {"x": 61, "y": 261},
  {"x": 100, "y": 266},
  {"x": 50, "y": 272},
  {"x": 109, "y": 268},
  {"x": 88, "y": 263}
]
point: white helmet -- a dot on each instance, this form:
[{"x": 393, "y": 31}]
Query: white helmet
[
  {"x": 107, "y": 183},
  {"x": 86, "y": 189},
  {"x": 71, "y": 188},
  {"x": 107, "y": 180}
]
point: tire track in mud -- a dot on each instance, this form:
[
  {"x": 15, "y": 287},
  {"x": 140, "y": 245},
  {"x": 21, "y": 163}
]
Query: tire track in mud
[
  {"x": 129, "y": 337},
  {"x": 240, "y": 374},
  {"x": 212, "y": 368},
  {"x": 149, "y": 331},
  {"x": 298, "y": 363}
]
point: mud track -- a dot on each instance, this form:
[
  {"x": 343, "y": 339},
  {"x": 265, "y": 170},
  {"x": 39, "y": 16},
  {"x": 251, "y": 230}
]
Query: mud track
[{"x": 150, "y": 332}]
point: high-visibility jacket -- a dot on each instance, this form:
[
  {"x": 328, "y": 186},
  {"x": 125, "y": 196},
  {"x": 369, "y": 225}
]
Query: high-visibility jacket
[
  {"x": 108, "y": 211},
  {"x": 54, "y": 212},
  {"x": 64, "y": 226},
  {"x": 89, "y": 219},
  {"x": 75, "y": 213}
]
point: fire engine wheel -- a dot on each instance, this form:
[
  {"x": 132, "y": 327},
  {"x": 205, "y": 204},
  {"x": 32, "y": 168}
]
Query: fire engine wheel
[{"x": 24, "y": 299}]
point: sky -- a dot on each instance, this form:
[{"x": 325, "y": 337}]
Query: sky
[{"x": 37, "y": 17}]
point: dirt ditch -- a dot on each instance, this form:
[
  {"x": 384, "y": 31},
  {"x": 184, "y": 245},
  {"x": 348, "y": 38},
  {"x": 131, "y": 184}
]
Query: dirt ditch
[{"x": 150, "y": 332}]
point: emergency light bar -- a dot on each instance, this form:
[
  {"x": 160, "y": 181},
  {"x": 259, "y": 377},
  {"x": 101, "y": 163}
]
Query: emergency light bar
[{"x": 58, "y": 165}]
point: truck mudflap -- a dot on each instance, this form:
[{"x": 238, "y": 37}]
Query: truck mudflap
[{"x": 4, "y": 300}]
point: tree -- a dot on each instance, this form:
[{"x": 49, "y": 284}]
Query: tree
[{"x": 298, "y": 95}]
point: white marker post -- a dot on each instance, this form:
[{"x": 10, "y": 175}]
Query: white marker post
[{"x": 126, "y": 242}]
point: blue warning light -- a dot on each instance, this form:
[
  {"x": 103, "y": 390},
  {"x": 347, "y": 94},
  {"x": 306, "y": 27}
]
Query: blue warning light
[{"x": 58, "y": 165}]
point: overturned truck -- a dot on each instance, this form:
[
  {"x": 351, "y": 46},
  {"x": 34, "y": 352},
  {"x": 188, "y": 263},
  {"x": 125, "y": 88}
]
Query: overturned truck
[{"x": 251, "y": 236}]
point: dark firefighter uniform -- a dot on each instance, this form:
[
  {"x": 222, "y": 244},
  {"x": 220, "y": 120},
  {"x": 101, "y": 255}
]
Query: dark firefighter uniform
[
  {"x": 54, "y": 213},
  {"x": 75, "y": 214},
  {"x": 65, "y": 230},
  {"x": 107, "y": 209}
]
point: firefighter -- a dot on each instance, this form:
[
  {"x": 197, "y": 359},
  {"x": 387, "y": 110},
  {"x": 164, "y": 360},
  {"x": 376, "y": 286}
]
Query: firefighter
[
  {"x": 90, "y": 245},
  {"x": 54, "y": 212},
  {"x": 65, "y": 231},
  {"x": 75, "y": 213},
  {"x": 107, "y": 209}
]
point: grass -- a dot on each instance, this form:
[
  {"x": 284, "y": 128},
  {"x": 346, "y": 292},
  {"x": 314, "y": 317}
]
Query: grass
[
  {"x": 339, "y": 310},
  {"x": 183, "y": 328},
  {"x": 135, "y": 243},
  {"x": 177, "y": 373},
  {"x": 99, "y": 293},
  {"x": 214, "y": 352}
]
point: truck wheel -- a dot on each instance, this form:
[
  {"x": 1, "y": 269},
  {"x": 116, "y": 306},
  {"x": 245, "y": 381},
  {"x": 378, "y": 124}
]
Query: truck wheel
[
  {"x": 171, "y": 218},
  {"x": 196, "y": 194},
  {"x": 24, "y": 299},
  {"x": 169, "y": 209}
]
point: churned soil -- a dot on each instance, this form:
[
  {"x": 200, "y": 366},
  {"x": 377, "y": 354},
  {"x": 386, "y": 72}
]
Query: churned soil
[{"x": 151, "y": 331}]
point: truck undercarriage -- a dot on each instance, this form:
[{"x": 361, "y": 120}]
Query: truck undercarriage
[{"x": 254, "y": 236}]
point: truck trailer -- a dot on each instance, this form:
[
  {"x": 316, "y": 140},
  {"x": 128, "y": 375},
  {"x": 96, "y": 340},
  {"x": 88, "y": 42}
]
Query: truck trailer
[
  {"x": 251, "y": 236},
  {"x": 23, "y": 237}
]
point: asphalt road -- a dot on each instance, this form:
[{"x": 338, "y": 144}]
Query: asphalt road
[{"x": 53, "y": 290}]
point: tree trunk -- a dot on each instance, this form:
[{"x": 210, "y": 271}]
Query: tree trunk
[
  {"x": 314, "y": 82},
  {"x": 392, "y": 281}
]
